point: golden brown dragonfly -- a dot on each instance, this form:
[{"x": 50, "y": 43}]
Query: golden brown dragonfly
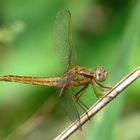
[{"x": 74, "y": 76}]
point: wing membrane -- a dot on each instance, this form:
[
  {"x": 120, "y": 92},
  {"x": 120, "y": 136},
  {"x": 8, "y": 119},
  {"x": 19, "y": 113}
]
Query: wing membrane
[
  {"x": 69, "y": 104},
  {"x": 63, "y": 37}
]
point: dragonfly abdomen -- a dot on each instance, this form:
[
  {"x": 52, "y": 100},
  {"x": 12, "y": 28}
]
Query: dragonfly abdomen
[{"x": 31, "y": 80}]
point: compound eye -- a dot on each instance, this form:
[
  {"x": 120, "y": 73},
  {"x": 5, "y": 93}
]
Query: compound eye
[
  {"x": 98, "y": 76},
  {"x": 105, "y": 73}
]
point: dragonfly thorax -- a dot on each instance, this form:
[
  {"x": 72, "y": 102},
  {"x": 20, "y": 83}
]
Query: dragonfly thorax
[{"x": 78, "y": 76}]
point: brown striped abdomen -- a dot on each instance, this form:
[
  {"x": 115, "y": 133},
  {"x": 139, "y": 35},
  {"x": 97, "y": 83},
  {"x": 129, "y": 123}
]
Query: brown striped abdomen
[{"x": 32, "y": 80}]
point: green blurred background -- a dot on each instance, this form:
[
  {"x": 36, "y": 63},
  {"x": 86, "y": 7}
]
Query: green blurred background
[{"x": 105, "y": 32}]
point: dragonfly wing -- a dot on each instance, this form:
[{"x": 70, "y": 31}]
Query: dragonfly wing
[
  {"x": 68, "y": 102},
  {"x": 63, "y": 37}
]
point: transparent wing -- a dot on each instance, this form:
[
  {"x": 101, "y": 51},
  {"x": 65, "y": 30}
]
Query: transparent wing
[
  {"x": 63, "y": 37},
  {"x": 69, "y": 104}
]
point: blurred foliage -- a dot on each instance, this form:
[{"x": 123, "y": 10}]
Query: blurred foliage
[
  {"x": 105, "y": 32},
  {"x": 8, "y": 33}
]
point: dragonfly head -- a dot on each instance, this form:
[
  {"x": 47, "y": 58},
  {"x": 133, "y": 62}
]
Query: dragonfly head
[{"x": 100, "y": 74}]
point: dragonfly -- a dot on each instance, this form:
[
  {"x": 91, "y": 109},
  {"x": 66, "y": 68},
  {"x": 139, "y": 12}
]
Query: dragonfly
[{"x": 74, "y": 76}]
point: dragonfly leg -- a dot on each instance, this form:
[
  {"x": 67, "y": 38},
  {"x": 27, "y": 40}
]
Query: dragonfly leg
[
  {"x": 81, "y": 104},
  {"x": 98, "y": 95},
  {"x": 80, "y": 92},
  {"x": 84, "y": 107},
  {"x": 102, "y": 87}
]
